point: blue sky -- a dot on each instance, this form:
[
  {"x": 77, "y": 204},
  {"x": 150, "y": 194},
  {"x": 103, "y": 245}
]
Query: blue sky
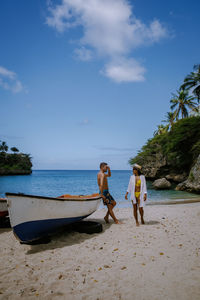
[{"x": 88, "y": 81}]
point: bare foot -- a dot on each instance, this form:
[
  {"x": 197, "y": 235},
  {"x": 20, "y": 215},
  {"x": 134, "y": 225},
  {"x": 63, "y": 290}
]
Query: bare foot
[
  {"x": 118, "y": 222},
  {"x": 137, "y": 224},
  {"x": 106, "y": 220},
  {"x": 142, "y": 221}
]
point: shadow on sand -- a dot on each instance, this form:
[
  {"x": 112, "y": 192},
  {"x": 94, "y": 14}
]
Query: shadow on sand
[
  {"x": 5, "y": 225},
  {"x": 66, "y": 237},
  {"x": 151, "y": 222}
]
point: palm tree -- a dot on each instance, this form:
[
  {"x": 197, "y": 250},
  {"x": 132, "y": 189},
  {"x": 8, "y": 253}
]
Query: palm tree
[
  {"x": 170, "y": 119},
  {"x": 182, "y": 101},
  {"x": 160, "y": 129},
  {"x": 3, "y": 147},
  {"x": 193, "y": 81}
]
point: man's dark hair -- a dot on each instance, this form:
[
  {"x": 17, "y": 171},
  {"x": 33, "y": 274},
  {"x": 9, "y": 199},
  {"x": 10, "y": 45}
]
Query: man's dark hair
[{"x": 102, "y": 164}]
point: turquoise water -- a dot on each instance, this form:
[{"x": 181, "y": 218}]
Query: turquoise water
[{"x": 57, "y": 182}]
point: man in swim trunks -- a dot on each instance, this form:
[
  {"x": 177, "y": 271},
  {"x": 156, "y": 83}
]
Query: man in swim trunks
[{"x": 104, "y": 192}]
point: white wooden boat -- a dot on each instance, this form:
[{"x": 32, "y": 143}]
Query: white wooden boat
[
  {"x": 3, "y": 207},
  {"x": 34, "y": 217}
]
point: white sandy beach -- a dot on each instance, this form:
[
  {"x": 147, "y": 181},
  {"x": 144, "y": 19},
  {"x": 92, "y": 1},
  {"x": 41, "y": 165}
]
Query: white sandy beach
[{"x": 159, "y": 260}]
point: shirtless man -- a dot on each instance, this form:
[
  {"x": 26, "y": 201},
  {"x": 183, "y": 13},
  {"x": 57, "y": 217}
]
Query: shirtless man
[{"x": 103, "y": 191}]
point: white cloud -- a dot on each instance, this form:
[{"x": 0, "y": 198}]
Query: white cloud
[
  {"x": 124, "y": 70},
  {"x": 9, "y": 81},
  {"x": 7, "y": 73},
  {"x": 110, "y": 30},
  {"x": 83, "y": 54}
]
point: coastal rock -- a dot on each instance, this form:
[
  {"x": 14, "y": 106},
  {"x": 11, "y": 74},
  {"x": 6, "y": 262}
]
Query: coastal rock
[
  {"x": 161, "y": 184},
  {"x": 155, "y": 165},
  {"x": 176, "y": 177},
  {"x": 192, "y": 184}
]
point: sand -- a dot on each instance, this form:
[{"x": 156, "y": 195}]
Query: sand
[{"x": 159, "y": 260}]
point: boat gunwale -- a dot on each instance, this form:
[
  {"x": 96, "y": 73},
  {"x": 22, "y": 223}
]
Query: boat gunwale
[{"x": 52, "y": 198}]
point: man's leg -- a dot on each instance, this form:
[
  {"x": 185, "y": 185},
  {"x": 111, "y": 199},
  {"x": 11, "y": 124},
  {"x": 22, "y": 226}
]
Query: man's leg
[
  {"x": 142, "y": 214},
  {"x": 113, "y": 203},
  {"x": 135, "y": 213},
  {"x": 106, "y": 217},
  {"x": 111, "y": 213}
]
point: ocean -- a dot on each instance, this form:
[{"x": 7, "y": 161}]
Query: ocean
[{"x": 54, "y": 183}]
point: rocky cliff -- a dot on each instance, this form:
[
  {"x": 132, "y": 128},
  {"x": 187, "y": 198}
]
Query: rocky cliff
[{"x": 192, "y": 184}]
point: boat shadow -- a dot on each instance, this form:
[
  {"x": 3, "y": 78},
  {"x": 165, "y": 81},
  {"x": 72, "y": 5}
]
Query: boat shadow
[
  {"x": 3, "y": 230},
  {"x": 67, "y": 237},
  {"x": 5, "y": 225}
]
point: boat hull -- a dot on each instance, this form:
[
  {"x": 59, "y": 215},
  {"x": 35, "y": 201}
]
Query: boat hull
[
  {"x": 34, "y": 230},
  {"x": 34, "y": 217}
]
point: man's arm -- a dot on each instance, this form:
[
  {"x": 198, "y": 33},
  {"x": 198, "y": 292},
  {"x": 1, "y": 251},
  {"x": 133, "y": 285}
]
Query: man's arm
[{"x": 109, "y": 172}]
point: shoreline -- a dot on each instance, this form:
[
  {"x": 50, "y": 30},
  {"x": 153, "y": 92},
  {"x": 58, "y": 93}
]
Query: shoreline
[
  {"x": 158, "y": 260},
  {"x": 154, "y": 203},
  {"x": 173, "y": 202}
]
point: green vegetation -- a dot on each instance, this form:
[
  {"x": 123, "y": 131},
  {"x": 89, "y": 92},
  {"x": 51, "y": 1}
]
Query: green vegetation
[
  {"x": 181, "y": 102},
  {"x": 178, "y": 140},
  {"x": 192, "y": 81},
  {"x": 180, "y": 146},
  {"x": 14, "y": 163}
]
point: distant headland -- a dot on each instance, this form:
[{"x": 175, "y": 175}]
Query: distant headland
[{"x": 14, "y": 163}]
